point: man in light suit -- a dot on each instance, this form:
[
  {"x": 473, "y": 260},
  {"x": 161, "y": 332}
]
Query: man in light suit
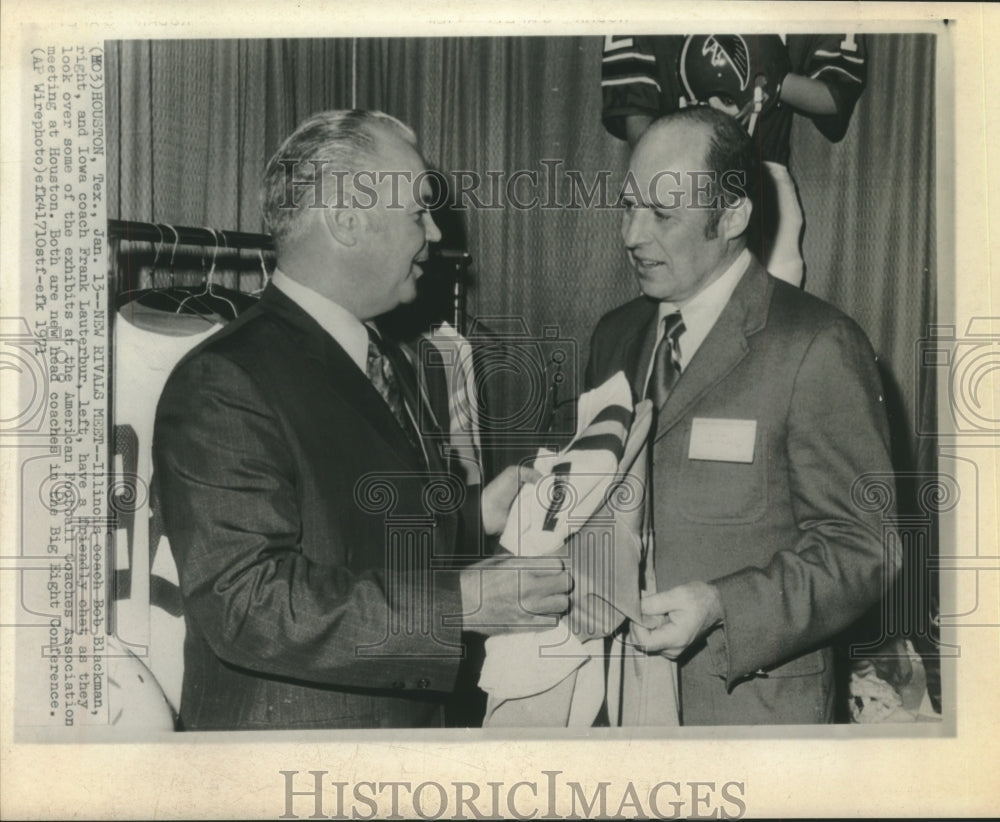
[
  {"x": 770, "y": 417},
  {"x": 317, "y": 529}
]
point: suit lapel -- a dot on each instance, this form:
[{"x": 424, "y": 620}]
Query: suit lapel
[
  {"x": 421, "y": 412},
  {"x": 722, "y": 350},
  {"x": 639, "y": 359},
  {"x": 347, "y": 380},
  {"x": 636, "y": 347}
]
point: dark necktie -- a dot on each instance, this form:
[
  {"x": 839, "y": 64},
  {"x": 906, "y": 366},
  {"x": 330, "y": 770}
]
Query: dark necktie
[
  {"x": 666, "y": 360},
  {"x": 666, "y": 370},
  {"x": 383, "y": 376}
]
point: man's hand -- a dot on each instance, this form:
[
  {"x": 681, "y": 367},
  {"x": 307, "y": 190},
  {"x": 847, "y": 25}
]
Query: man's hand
[
  {"x": 505, "y": 594},
  {"x": 498, "y": 496},
  {"x": 686, "y": 612}
]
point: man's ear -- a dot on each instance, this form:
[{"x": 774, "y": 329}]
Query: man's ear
[
  {"x": 735, "y": 219},
  {"x": 344, "y": 224}
]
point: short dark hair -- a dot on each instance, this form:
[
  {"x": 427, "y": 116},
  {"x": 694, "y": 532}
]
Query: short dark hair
[{"x": 731, "y": 155}]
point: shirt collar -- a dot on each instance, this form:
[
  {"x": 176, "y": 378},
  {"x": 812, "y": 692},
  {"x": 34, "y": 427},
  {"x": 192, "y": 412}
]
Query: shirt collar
[
  {"x": 702, "y": 311},
  {"x": 349, "y": 332}
]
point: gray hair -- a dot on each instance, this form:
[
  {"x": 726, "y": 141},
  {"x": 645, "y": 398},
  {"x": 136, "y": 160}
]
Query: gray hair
[{"x": 340, "y": 142}]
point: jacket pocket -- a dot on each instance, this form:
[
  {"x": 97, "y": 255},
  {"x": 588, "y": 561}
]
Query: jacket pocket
[
  {"x": 718, "y": 491},
  {"x": 805, "y": 665}
]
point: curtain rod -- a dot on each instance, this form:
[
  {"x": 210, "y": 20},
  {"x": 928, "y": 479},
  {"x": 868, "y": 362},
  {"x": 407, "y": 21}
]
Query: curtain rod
[
  {"x": 186, "y": 235},
  {"x": 189, "y": 235}
]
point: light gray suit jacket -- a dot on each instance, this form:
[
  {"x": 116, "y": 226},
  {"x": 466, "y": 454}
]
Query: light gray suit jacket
[{"x": 792, "y": 539}]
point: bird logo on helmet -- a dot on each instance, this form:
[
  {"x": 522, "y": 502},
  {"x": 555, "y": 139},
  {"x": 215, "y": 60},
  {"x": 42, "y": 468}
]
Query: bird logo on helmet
[{"x": 739, "y": 74}]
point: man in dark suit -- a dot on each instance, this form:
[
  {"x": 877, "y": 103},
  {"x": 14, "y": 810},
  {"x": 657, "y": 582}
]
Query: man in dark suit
[
  {"x": 315, "y": 525},
  {"x": 770, "y": 422}
]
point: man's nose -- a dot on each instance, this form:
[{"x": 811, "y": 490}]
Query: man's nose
[
  {"x": 431, "y": 231},
  {"x": 634, "y": 227}
]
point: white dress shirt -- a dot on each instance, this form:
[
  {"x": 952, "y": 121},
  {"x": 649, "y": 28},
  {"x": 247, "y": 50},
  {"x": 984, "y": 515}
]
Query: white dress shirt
[
  {"x": 700, "y": 312},
  {"x": 346, "y": 329},
  {"x": 337, "y": 321}
]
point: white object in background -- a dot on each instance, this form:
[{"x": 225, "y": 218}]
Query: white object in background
[{"x": 463, "y": 403}]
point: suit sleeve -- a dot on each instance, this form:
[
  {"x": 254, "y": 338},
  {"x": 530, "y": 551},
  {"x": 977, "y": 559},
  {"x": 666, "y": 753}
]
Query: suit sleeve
[
  {"x": 228, "y": 487},
  {"x": 838, "y": 462}
]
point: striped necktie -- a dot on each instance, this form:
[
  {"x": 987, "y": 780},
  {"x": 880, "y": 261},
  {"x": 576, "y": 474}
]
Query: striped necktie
[
  {"x": 383, "y": 376},
  {"x": 666, "y": 360}
]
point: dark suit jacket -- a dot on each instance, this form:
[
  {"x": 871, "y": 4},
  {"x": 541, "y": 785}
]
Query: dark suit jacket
[
  {"x": 793, "y": 545},
  {"x": 312, "y": 545}
]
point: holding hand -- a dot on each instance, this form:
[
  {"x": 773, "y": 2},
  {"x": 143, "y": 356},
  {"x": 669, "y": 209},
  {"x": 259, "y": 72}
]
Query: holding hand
[
  {"x": 499, "y": 495},
  {"x": 686, "y": 613},
  {"x": 509, "y": 593}
]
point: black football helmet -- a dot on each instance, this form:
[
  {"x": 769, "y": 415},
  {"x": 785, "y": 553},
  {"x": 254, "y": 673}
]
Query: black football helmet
[{"x": 741, "y": 73}]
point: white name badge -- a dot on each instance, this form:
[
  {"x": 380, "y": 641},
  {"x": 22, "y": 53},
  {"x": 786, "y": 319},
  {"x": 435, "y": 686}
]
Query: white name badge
[{"x": 722, "y": 440}]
